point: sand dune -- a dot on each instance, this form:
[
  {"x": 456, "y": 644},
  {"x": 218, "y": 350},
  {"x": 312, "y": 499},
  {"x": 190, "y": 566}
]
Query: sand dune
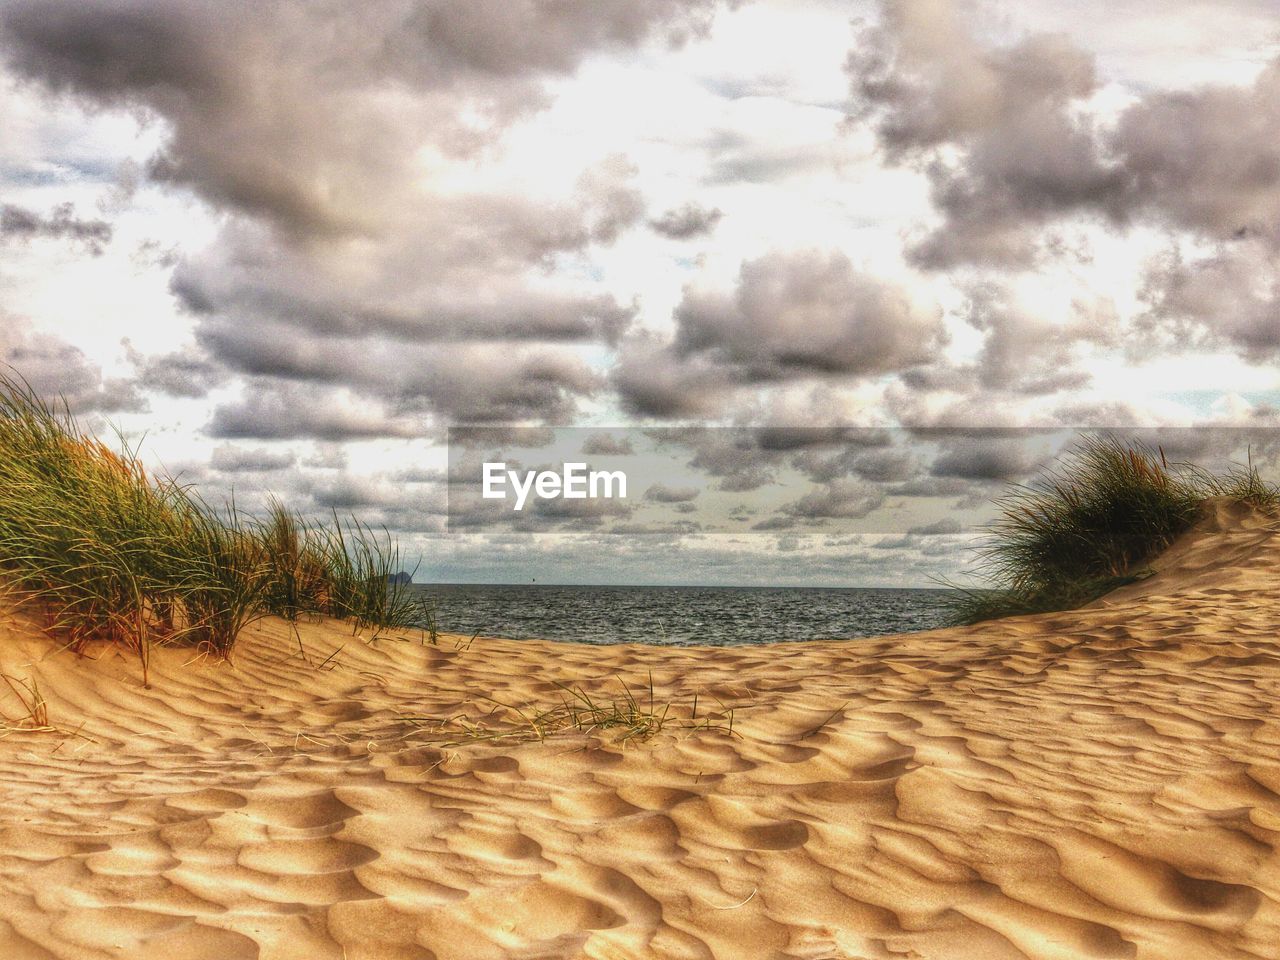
[{"x": 1096, "y": 784}]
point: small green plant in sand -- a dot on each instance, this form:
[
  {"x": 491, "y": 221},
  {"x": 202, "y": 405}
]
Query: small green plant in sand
[
  {"x": 112, "y": 553},
  {"x": 1092, "y": 524},
  {"x": 33, "y": 712},
  {"x": 624, "y": 715},
  {"x": 344, "y": 570}
]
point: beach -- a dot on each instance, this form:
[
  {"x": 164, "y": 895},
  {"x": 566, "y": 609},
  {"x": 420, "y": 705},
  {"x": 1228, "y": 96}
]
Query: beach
[
  {"x": 664, "y": 480},
  {"x": 1086, "y": 784}
]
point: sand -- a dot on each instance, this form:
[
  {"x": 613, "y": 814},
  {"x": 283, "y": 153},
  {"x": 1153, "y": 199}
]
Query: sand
[{"x": 1100, "y": 783}]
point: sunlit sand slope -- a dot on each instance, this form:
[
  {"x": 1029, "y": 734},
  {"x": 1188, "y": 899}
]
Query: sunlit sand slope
[{"x": 1102, "y": 783}]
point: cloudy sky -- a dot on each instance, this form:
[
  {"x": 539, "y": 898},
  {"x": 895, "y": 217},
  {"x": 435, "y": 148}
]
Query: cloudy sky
[{"x": 284, "y": 245}]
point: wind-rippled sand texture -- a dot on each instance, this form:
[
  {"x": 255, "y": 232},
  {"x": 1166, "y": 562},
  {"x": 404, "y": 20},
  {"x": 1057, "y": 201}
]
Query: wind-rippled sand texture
[{"x": 1101, "y": 783}]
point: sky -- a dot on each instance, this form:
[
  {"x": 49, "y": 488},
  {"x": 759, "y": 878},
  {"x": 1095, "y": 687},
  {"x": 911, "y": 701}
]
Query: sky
[{"x": 841, "y": 259}]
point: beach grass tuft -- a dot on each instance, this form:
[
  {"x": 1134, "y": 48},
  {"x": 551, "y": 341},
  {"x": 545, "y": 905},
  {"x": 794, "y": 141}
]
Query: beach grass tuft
[
  {"x": 34, "y": 709},
  {"x": 1091, "y": 524},
  {"x": 624, "y": 714},
  {"x": 112, "y": 553}
]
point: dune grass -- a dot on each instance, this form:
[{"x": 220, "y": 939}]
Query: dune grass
[
  {"x": 625, "y": 715},
  {"x": 1091, "y": 524},
  {"x": 112, "y": 553},
  {"x": 33, "y": 714},
  {"x": 343, "y": 570}
]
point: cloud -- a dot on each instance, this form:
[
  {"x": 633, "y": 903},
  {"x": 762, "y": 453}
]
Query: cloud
[
  {"x": 250, "y": 98},
  {"x": 652, "y": 381},
  {"x": 932, "y": 486},
  {"x": 775, "y": 523},
  {"x": 228, "y": 458},
  {"x": 59, "y": 371},
  {"x": 686, "y": 222},
  {"x": 1010, "y": 143},
  {"x": 808, "y": 312},
  {"x": 464, "y": 269},
  {"x": 1027, "y": 151},
  {"x": 469, "y": 382},
  {"x": 841, "y": 498},
  {"x": 274, "y": 410},
  {"x": 661, "y": 493},
  {"x": 1206, "y": 160},
  {"x": 982, "y": 458},
  {"x": 946, "y": 525},
  {"x": 607, "y": 445},
  {"x": 734, "y": 456},
  {"x": 182, "y": 373},
  {"x": 1023, "y": 352},
  {"x": 791, "y": 316},
  {"x": 319, "y": 132},
  {"x": 776, "y": 436},
  {"x": 21, "y": 224},
  {"x": 1229, "y": 298},
  {"x": 879, "y": 466},
  {"x": 347, "y": 492}
]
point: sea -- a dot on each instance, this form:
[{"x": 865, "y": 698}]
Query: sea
[{"x": 681, "y": 616}]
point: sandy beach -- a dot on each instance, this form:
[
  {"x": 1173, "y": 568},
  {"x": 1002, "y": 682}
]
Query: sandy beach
[{"x": 1098, "y": 783}]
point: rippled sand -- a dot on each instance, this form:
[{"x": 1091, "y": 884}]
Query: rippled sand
[{"x": 1103, "y": 783}]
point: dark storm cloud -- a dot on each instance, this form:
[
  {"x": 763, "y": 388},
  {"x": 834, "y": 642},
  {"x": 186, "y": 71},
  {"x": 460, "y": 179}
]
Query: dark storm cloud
[
  {"x": 686, "y": 222},
  {"x": 60, "y": 371},
  {"x": 20, "y": 224}
]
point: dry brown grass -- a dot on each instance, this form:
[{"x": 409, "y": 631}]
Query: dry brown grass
[{"x": 624, "y": 715}]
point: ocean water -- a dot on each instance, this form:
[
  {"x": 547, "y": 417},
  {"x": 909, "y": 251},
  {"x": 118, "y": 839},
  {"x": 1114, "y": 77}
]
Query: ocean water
[{"x": 681, "y": 616}]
